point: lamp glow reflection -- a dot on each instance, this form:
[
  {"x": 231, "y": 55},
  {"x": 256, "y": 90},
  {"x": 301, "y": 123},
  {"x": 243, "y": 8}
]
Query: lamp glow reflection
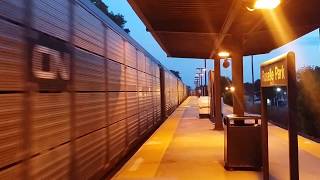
[
  {"x": 224, "y": 54},
  {"x": 266, "y": 4}
]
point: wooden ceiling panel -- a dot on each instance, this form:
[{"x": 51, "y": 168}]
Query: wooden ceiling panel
[{"x": 189, "y": 28}]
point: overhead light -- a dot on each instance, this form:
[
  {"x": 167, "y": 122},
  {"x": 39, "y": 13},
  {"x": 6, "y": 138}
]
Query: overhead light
[
  {"x": 266, "y": 4},
  {"x": 224, "y": 54}
]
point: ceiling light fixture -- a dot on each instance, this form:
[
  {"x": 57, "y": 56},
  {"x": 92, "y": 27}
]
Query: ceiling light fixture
[
  {"x": 224, "y": 54},
  {"x": 265, "y": 4}
]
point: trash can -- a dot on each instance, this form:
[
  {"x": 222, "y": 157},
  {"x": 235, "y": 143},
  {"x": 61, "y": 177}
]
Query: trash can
[{"x": 242, "y": 142}]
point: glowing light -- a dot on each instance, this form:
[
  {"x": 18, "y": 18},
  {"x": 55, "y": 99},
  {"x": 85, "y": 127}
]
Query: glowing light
[
  {"x": 227, "y": 88},
  {"x": 224, "y": 54},
  {"x": 266, "y": 4},
  {"x": 232, "y": 89},
  {"x": 268, "y": 101},
  {"x": 278, "y": 89}
]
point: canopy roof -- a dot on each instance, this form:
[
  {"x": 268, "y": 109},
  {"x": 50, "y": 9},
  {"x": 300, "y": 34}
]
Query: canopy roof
[{"x": 200, "y": 28}]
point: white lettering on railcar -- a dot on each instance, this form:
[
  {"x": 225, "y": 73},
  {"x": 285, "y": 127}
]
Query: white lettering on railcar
[{"x": 55, "y": 64}]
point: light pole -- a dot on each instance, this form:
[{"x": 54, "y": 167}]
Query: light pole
[
  {"x": 205, "y": 76},
  {"x": 252, "y": 75},
  {"x": 202, "y": 71},
  {"x": 200, "y": 80}
]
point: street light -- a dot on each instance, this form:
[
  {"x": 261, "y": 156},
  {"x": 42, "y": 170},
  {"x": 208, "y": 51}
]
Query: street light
[
  {"x": 224, "y": 54},
  {"x": 265, "y": 4},
  {"x": 232, "y": 89}
]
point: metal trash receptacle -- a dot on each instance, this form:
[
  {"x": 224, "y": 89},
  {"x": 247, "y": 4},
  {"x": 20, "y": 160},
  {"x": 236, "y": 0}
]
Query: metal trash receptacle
[{"x": 242, "y": 142}]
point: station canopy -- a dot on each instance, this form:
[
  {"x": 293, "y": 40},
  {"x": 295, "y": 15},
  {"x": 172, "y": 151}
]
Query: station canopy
[{"x": 201, "y": 28}]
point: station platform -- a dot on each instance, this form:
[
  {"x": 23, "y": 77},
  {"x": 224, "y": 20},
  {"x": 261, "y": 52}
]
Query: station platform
[{"x": 186, "y": 147}]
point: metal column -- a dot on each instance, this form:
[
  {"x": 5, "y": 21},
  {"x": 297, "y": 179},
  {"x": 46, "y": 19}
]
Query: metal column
[{"x": 217, "y": 96}]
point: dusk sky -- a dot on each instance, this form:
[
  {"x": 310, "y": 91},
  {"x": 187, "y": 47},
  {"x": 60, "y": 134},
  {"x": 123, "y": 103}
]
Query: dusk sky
[{"x": 307, "y": 48}]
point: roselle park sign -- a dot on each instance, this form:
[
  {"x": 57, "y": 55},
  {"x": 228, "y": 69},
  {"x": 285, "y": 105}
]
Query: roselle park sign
[{"x": 275, "y": 71}]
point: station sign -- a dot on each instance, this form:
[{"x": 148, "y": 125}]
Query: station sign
[{"x": 275, "y": 72}]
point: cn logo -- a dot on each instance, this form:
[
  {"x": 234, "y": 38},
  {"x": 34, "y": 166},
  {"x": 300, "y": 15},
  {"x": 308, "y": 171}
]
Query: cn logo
[{"x": 50, "y": 64}]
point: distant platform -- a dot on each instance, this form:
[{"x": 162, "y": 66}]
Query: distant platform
[{"x": 185, "y": 147}]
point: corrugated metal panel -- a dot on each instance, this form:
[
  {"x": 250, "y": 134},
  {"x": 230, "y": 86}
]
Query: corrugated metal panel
[
  {"x": 89, "y": 72},
  {"x": 10, "y": 128},
  {"x": 149, "y": 82},
  {"x": 149, "y": 108},
  {"x": 132, "y": 103},
  {"x": 116, "y": 106},
  {"x": 152, "y": 67},
  {"x": 142, "y": 81},
  {"x": 115, "y": 46},
  {"x": 89, "y": 32},
  {"x": 116, "y": 76},
  {"x": 155, "y": 84},
  {"x": 91, "y": 154},
  {"x": 14, "y": 172},
  {"x": 11, "y": 56},
  {"x": 158, "y": 85},
  {"x": 158, "y": 113},
  {"x": 51, "y": 120},
  {"x": 52, "y": 17},
  {"x": 90, "y": 112},
  {"x": 131, "y": 55},
  {"x": 141, "y": 62},
  {"x": 148, "y": 66},
  {"x": 131, "y": 79},
  {"x": 157, "y": 71},
  {"x": 52, "y": 164},
  {"x": 117, "y": 139},
  {"x": 13, "y": 10},
  {"x": 143, "y": 116},
  {"x": 133, "y": 128}
]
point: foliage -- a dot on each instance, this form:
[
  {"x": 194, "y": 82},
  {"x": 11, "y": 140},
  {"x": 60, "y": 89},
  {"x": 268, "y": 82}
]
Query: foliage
[
  {"x": 228, "y": 98},
  {"x": 225, "y": 82},
  {"x": 308, "y": 100},
  {"x": 117, "y": 18},
  {"x": 176, "y": 73},
  {"x": 226, "y": 95}
]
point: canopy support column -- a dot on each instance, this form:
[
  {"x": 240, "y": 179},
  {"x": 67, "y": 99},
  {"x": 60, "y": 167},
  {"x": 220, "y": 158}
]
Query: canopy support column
[
  {"x": 237, "y": 82},
  {"x": 217, "y": 96}
]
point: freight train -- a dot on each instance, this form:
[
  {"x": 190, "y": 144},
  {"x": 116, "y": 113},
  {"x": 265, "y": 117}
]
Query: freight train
[{"x": 77, "y": 93}]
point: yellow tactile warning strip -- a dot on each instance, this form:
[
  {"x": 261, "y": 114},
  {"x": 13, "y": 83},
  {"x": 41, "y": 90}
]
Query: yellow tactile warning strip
[
  {"x": 186, "y": 147},
  {"x": 145, "y": 163}
]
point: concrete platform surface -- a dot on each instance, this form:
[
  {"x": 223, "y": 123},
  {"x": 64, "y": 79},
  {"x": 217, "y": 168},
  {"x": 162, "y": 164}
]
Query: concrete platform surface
[{"x": 186, "y": 147}]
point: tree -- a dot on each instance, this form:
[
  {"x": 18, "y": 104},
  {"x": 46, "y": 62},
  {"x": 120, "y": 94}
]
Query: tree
[
  {"x": 225, "y": 82},
  {"x": 227, "y": 95},
  {"x": 117, "y": 18},
  {"x": 176, "y": 73},
  {"x": 308, "y": 100}
]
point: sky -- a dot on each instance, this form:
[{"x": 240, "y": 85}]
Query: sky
[{"x": 307, "y": 49}]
